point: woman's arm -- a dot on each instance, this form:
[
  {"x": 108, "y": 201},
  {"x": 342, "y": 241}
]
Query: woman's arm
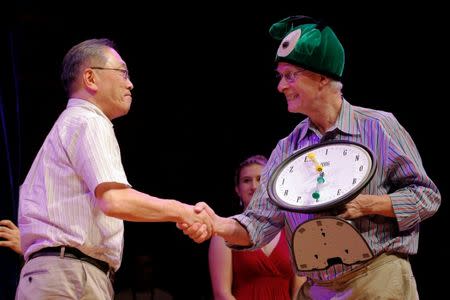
[{"x": 220, "y": 269}]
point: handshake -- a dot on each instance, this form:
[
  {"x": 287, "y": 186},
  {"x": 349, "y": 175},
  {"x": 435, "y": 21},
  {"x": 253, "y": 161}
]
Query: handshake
[{"x": 199, "y": 222}]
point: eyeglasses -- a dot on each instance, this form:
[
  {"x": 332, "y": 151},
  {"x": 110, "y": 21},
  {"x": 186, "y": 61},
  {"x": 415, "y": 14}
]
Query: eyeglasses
[
  {"x": 290, "y": 77},
  {"x": 124, "y": 72}
]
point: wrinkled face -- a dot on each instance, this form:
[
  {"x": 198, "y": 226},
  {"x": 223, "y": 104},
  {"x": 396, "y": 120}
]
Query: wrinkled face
[
  {"x": 248, "y": 182},
  {"x": 114, "y": 85},
  {"x": 299, "y": 86}
]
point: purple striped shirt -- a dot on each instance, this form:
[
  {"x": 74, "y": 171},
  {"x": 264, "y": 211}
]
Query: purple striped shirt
[{"x": 400, "y": 174}]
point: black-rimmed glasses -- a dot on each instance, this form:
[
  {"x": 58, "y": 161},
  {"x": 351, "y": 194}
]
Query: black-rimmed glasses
[{"x": 124, "y": 72}]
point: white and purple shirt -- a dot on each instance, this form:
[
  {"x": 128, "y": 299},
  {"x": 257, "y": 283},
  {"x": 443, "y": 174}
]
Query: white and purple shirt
[{"x": 57, "y": 205}]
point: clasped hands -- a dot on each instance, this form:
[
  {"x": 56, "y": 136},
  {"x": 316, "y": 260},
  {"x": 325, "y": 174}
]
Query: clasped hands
[{"x": 200, "y": 223}]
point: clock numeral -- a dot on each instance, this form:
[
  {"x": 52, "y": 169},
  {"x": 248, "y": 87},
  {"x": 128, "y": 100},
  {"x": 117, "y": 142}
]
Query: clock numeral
[
  {"x": 361, "y": 167},
  {"x": 291, "y": 169},
  {"x": 286, "y": 192},
  {"x": 282, "y": 182},
  {"x": 345, "y": 152},
  {"x": 357, "y": 157},
  {"x": 338, "y": 192},
  {"x": 299, "y": 198},
  {"x": 326, "y": 152},
  {"x": 306, "y": 158},
  {"x": 354, "y": 181}
]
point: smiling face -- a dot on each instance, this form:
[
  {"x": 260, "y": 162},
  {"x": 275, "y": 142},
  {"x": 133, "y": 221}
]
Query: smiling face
[
  {"x": 114, "y": 87},
  {"x": 299, "y": 86},
  {"x": 248, "y": 182}
]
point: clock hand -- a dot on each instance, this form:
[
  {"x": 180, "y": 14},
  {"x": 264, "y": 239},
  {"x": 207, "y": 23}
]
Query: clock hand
[
  {"x": 312, "y": 157},
  {"x": 320, "y": 178}
]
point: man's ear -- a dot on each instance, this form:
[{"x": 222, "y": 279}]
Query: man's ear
[
  {"x": 89, "y": 79},
  {"x": 324, "y": 80}
]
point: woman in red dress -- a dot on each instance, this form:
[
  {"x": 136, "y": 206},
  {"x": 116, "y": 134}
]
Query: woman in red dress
[{"x": 265, "y": 273}]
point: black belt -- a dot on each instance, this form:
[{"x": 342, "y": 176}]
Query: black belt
[{"x": 63, "y": 251}]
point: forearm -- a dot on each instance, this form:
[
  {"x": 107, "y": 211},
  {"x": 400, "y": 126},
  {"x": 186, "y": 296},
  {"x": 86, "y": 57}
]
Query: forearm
[
  {"x": 132, "y": 205},
  {"x": 220, "y": 269},
  {"x": 364, "y": 205},
  {"x": 379, "y": 205},
  {"x": 232, "y": 232}
]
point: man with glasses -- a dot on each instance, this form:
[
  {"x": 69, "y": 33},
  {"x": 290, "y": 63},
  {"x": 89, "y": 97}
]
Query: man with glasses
[
  {"x": 76, "y": 195},
  {"x": 387, "y": 213}
]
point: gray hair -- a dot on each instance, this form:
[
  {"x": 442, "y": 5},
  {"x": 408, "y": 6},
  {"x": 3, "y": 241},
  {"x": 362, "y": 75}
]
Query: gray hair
[
  {"x": 84, "y": 52},
  {"x": 336, "y": 85}
]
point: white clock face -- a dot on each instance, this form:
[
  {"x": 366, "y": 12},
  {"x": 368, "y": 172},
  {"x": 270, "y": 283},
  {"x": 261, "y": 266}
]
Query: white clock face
[{"x": 321, "y": 176}]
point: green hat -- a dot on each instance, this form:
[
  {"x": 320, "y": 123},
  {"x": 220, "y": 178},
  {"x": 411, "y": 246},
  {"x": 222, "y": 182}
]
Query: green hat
[{"x": 310, "y": 45}]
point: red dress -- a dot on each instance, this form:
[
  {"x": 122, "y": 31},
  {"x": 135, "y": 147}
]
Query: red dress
[{"x": 258, "y": 276}]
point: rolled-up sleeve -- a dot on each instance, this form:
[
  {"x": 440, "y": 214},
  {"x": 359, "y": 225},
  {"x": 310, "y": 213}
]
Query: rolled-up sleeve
[{"x": 415, "y": 197}]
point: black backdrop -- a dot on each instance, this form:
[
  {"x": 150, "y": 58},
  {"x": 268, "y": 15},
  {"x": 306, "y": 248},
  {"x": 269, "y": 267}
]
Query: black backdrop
[{"x": 205, "y": 98}]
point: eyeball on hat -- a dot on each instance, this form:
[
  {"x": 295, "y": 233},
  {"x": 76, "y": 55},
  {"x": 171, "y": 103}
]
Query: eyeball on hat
[{"x": 309, "y": 44}]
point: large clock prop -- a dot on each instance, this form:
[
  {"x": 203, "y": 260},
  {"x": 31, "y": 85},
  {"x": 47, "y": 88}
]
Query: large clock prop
[{"x": 319, "y": 178}]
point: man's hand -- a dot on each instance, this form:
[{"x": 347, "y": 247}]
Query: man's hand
[
  {"x": 364, "y": 205},
  {"x": 11, "y": 234},
  {"x": 197, "y": 222},
  {"x": 196, "y": 230}
]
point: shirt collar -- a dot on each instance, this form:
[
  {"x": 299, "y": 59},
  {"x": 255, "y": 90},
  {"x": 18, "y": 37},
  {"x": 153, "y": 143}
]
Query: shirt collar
[
  {"x": 346, "y": 123},
  {"x": 77, "y": 102}
]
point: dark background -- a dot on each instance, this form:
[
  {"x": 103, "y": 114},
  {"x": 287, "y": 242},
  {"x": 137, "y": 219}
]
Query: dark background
[{"x": 205, "y": 98}]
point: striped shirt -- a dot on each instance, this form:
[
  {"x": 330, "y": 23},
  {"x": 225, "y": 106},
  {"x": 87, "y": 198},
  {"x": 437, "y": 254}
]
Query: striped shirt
[
  {"x": 57, "y": 205},
  {"x": 400, "y": 174}
]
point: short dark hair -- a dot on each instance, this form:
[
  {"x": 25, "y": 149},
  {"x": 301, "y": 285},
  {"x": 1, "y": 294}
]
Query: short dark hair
[{"x": 86, "y": 51}]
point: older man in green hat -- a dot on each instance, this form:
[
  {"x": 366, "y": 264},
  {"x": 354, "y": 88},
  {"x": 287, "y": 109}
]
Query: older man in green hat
[{"x": 388, "y": 210}]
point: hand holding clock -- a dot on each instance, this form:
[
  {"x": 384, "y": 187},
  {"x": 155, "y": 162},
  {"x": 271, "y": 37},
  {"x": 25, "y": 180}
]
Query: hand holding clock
[{"x": 364, "y": 205}]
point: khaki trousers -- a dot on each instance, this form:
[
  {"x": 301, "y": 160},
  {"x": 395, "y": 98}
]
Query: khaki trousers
[
  {"x": 387, "y": 276},
  {"x": 51, "y": 277}
]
